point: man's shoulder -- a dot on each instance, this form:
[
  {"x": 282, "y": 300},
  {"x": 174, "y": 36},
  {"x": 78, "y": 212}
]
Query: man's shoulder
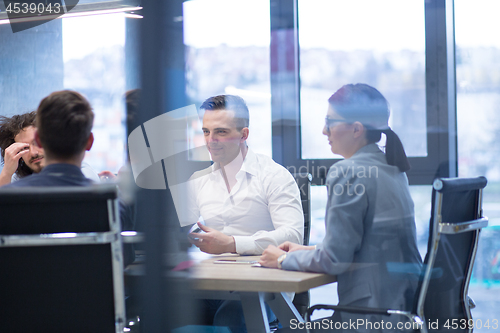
[
  {"x": 35, "y": 180},
  {"x": 271, "y": 173},
  {"x": 266, "y": 163},
  {"x": 30, "y": 180},
  {"x": 62, "y": 177}
]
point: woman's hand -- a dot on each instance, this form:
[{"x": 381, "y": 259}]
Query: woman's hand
[
  {"x": 270, "y": 256},
  {"x": 290, "y": 247}
]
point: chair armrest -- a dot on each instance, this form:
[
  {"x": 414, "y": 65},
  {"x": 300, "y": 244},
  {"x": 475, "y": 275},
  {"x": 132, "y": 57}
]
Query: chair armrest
[
  {"x": 471, "y": 302},
  {"x": 458, "y": 227},
  {"x": 351, "y": 309},
  {"x": 132, "y": 237}
]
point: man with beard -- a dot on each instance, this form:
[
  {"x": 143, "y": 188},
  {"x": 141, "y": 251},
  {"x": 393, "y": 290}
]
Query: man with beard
[{"x": 21, "y": 156}]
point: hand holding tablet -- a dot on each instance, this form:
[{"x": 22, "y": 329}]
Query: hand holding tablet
[{"x": 195, "y": 229}]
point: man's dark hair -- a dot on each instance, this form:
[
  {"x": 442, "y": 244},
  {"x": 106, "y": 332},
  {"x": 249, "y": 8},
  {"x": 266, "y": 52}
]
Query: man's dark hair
[
  {"x": 9, "y": 128},
  {"x": 229, "y": 102},
  {"x": 64, "y": 121}
]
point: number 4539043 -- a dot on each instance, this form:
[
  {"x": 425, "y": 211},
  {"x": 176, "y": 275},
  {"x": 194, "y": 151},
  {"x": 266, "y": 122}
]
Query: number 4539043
[
  {"x": 471, "y": 324},
  {"x": 33, "y": 8}
]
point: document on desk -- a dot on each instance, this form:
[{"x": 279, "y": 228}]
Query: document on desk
[{"x": 234, "y": 261}]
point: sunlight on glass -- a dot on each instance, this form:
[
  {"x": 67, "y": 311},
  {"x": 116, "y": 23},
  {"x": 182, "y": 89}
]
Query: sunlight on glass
[
  {"x": 94, "y": 65},
  {"x": 227, "y": 52},
  {"x": 84, "y": 35},
  {"x": 478, "y": 133},
  {"x": 478, "y": 87},
  {"x": 210, "y": 23},
  {"x": 381, "y": 43}
]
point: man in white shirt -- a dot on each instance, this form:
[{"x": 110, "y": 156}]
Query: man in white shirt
[{"x": 246, "y": 200}]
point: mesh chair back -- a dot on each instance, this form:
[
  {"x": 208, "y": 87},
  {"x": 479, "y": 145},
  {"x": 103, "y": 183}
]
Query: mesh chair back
[
  {"x": 301, "y": 300},
  {"x": 456, "y": 203},
  {"x": 304, "y": 183},
  {"x": 59, "y": 287}
]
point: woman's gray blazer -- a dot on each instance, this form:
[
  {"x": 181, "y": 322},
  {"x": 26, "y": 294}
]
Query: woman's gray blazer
[{"x": 370, "y": 240}]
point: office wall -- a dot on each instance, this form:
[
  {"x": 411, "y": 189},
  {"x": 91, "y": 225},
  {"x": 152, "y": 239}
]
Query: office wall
[{"x": 31, "y": 66}]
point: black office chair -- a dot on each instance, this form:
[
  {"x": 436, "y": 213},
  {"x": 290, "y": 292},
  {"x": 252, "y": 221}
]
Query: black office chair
[
  {"x": 303, "y": 180},
  {"x": 441, "y": 297},
  {"x": 61, "y": 259},
  {"x": 301, "y": 300}
]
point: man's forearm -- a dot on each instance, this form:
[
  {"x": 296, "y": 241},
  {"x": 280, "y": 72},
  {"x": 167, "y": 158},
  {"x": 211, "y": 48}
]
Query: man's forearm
[
  {"x": 232, "y": 246},
  {"x": 257, "y": 243}
]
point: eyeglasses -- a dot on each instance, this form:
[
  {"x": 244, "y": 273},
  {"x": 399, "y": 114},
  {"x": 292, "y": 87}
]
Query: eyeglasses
[{"x": 331, "y": 121}]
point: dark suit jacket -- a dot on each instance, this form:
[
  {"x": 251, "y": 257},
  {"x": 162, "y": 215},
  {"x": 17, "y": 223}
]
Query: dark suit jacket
[{"x": 70, "y": 175}]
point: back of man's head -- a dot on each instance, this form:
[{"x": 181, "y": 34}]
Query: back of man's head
[
  {"x": 64, "y": 121},
  {"x": 229, "y": 102}
]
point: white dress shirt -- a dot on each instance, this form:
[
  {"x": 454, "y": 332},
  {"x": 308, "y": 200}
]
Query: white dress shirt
[
  {"x": 263, "y": 206},
  {"x": 89, "y": 172}
]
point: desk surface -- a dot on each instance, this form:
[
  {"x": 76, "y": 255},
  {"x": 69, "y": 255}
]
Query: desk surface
[{"x": 243, "y": 277}]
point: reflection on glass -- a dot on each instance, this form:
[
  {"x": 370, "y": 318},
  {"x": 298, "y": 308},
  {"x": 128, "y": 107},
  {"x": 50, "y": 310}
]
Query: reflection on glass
[
  {"x": 227, "y": 52},
  {"x": 381, "y": 43},
  {"x": 93, "y": 53}
]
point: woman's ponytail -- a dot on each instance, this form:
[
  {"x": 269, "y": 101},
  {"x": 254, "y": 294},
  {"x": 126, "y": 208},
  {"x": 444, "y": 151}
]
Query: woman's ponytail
[{"x": 395, "y": 152}]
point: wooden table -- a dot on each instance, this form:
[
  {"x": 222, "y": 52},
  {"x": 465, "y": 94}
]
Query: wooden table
[{"x": 254, "y": 286}]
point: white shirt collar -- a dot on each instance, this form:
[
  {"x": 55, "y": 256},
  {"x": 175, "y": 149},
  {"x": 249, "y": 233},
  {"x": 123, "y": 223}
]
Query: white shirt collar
[{"x": 248, "y": 165}]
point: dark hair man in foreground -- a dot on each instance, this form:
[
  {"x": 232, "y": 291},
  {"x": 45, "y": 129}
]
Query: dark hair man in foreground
[{"x": 64, "y": 122}]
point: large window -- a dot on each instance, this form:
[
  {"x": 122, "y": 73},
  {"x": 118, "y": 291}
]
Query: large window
[
  {"x": 285, "y": 58},
  {"x": 478, "y": 132},
  {"x": 228, "y": 53},
  {"x": 85, "y": 54},
  {"x": 477, "y": 99},
  {"x": 381, "y": 43},
  {"x": 94, "y": 64},
  {"x": 403, "y": 48}
]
